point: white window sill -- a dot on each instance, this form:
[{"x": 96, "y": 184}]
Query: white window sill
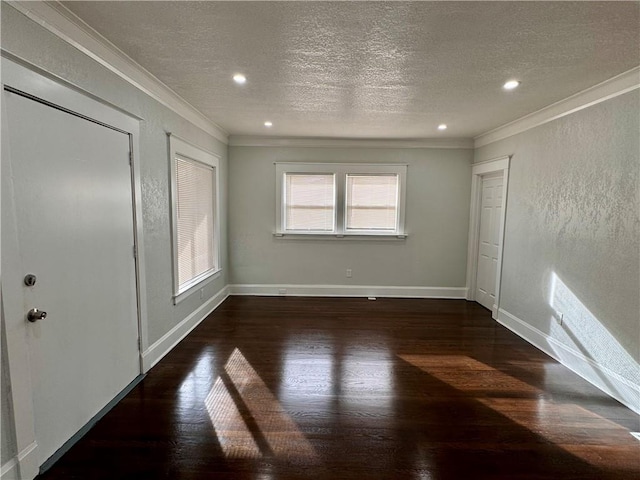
[
  {"x": 340, "y": 236},
  {"x": 198, "y": 283}
]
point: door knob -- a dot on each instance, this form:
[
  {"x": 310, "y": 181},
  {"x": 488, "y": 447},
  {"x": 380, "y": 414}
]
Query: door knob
[{"x": 34, "y": 315}]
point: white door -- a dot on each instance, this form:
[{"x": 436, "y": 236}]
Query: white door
[
  {"x": 74, "y": 228},
  {"x": 489, "y": 239}
]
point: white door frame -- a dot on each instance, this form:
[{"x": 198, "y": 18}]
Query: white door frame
[
  {"x": 479, "y": 170},
  {"x": 38, "y": 83}
]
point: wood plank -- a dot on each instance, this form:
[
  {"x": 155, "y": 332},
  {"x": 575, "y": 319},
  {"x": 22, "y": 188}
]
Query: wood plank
[{"x": 284, "y": 387}]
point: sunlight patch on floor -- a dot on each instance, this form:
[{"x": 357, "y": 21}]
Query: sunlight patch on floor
[
  {"x": 566, "y": 425},
  {"x": 562, "y": 424},
  {"x": 469, "y": 375},
  {"x": 234, "y": 436},
  {"x": 276, "y": 435}
]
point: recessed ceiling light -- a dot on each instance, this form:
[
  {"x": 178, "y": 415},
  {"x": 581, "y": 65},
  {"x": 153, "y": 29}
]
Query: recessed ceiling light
[
  {"x": 442, "y": 126},
  {"x": 511, "y": 84},
  {"x": 268, "y": 124},
  {"x": 240, "y": 79}
]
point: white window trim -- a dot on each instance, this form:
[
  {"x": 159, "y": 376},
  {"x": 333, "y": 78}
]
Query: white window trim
[
  {"x": 340, "y": 171},
  {"x": 180, "y": 148}
]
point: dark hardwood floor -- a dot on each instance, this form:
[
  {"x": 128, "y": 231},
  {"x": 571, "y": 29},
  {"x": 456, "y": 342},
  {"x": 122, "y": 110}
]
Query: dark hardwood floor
[{"x": 274, "y": 388}]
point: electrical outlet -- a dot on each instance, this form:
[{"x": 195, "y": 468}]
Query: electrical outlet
[
  {"x": 349, "y": 273},
  {"x": 201, "y": 293},
  {"x": 282, "y": 291}
]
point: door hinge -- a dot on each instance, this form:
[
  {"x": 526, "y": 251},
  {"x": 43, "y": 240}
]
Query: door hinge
[
  {"x": 130, "y": 158},
  {"x": 135, "y": 252}
]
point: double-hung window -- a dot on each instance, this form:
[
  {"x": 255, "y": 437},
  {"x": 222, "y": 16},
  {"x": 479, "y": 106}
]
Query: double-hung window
[
  {"x": 310, "y": 202},
  {"x": 195, "y": 217},
  {"x": 337, "y": 199},
  {"x": 372, "y": 202}
]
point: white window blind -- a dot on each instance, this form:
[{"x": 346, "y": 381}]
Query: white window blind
[
  {"x": 309, "y": 202},
  {"x": 195, "y": 221},
  {"x": 372, "y": 202}
]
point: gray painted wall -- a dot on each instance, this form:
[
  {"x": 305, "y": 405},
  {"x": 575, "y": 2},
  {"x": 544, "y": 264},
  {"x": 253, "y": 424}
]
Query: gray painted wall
[
  {"x": 30, "y": 42},
  {"x": 437, "y": 220},
  {"x": 573, "y": 214}
]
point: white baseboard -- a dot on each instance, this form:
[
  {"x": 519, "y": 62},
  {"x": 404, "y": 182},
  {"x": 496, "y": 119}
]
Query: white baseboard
[
  {"x": 23, "y": 466},
  {"x": 29, "y": 462},
  {"x": 159, "y": 349},
  {"x": 348, "y": 291},
  {"x": 605, "y": 379},
  {"x": 9, "y": 470}
]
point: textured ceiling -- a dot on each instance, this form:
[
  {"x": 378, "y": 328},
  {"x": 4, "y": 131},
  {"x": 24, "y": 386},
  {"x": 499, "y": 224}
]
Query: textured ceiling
[{"x": 371, "y": 69}]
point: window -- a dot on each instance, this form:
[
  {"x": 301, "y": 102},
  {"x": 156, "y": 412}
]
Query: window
[
  {"x": 309, "y": 202},
  {"x": 372, "y": 202},
  {"x": 340, "y": 199},
  {"x": 194, "y": 217}
]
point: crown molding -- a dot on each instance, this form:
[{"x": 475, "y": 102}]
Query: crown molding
[
  {"x": 66, "y": 25},
  {"x": 321, "y": 142},
  {"x": 618, "y": 85}
]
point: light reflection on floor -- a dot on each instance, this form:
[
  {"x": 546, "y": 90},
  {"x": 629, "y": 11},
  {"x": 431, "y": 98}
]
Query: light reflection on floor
[
  {"x": 352, "y": 379},
  {"x": 276, "y": 435},
  {"x": 307, "y": 370},
  {"x": 561, "y": 424},
  {"x": 366, "y": 381},
  {"x": 234, "y": 436},
  {"x": 195, "y": 386},
  {"x": 423, "y": 464}
]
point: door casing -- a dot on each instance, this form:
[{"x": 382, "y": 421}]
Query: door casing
[{"x": 478, "y": 170}]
